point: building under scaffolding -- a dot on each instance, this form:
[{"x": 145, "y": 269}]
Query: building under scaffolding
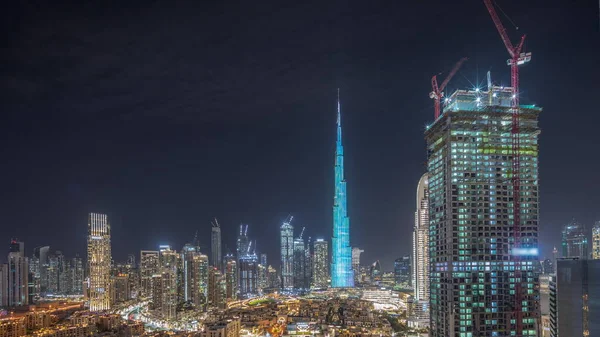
[{"x": 472, "y": 253}]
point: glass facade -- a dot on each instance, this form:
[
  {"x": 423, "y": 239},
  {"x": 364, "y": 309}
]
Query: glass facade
[{"x": 477, "y": 274}]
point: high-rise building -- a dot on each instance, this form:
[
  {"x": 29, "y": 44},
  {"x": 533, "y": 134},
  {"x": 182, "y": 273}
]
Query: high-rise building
[
  {"x": 99, "y": 260},
  {"x": 320, "y": 264},
  {"x": 215, "y": 289},
  {"x": 215, "y": 245},
  {"x": 375, "y": 272},
  {"x": 231, "y": 278},
  {"x": 164, "y": 293},
  {"x": 574, "y": 240},
  {"x": 14, "y": 281},
  {"x": 308, "y": 264},
  {"x": 575, "y": 298},
  {"x": 547, "y": 267},
  {"x": 262, "y": 277},
  {"x": 356, "y": 263},
  {"x": 482, "y": 279},
  {"x": 40, "y": 254},
  {"x": 77, "y": 275},
  {"x": 402, "y": 272},
  {"x": 243, "y": 242},
  {"x": 248, "y": 270},
  {"x": 420, "y": 265},
  {"x": 149, "y": 266},
  {"x": 342, "y": 275},
  {"x": 120, "y": 290},
  {"x": 273, "y": 278},
  {"x": 263, "y": 259},
  {"x": 194, "y": 269},
  {"x": 299, "y": 264},
  {"x": 596, "y": 241},
  {"x": 287, "y": 254}
]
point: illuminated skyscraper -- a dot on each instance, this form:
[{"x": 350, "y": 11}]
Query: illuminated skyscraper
[
  {"x": 243, "y": 242},
  {"x": 356, "y": 263},
  {"x": 215, "y": 289},
  {"x": 574, "y": 240},
  {"x": 287, "y": 254},
  {"x": 148, "y": 268},
  {"x": 420, "y": 265},
  {"x": 248, "y": 275},
  {"x": 99, "y": 259},
  {"x": 482, "y": 280},
  {"x": 341, "y": 264},
  {"x": 231, "y": 289},
  {"x": 14, "y": 277},
  {"x": 596, "y": 241},
  {"x": 215, "y": 245},
  {"x": 194, "y": 271},
  {"x": 320, "y": 264},
  {"x": 299, "y": 264}
]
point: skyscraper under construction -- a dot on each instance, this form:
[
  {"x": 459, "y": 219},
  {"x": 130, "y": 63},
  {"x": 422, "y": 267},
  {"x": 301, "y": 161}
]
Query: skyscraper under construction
[{"x": 483, "y": 276}]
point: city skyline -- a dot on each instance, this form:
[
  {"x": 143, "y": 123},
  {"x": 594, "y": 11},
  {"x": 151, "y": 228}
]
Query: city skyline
[{"x": 252, "y": 138}]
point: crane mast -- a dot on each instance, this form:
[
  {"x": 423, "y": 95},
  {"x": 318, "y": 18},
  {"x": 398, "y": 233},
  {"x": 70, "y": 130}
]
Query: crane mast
[
  {"x": 437, "y": 92},
  {"x": 516, "y": 58}
]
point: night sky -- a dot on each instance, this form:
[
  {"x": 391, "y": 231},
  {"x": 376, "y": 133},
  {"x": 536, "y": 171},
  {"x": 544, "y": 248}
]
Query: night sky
[{"x": 165, "y": 114}]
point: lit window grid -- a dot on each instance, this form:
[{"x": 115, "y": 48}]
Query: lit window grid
[{"x": 470, "y": 187}]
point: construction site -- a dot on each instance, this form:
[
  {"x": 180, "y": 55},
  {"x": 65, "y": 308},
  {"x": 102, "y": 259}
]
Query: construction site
[{"x": 484, "y": 207}]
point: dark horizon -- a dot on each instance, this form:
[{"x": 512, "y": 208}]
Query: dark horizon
[{"x": 166, "y": 115}]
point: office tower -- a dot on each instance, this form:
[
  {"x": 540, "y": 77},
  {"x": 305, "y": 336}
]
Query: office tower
[
  {"x": 574, "y": 240},
  {"x": 356, "y": 263},
  {"x": 341, "y": 262},
  {"x": 402, "y": 272},
  {"x": 148, "y": 268},
  {"x": 575, "y": 298},
  {"x": 263, "y": 259},
  {"x": 299, "y": 264},
  {"x": 320, "y": 264},
  {"x": 308, "y": 264},
  {"x": 14, "y": 283},
  {"x": 287, "y": 254},
  {"x": 215, "y": 245},
  {"x": 596, "y": 241},
  {"x": 231, "y": 278},
  {"x": 273, "y": 278},
  {"x": 243, "y": 242},
  {"x": 65, "y": 277},
  {"x": 189, "y": 279},
  {"x": 420, "y": 265},
  {"x": 77, "y": 276},
  {"x": 99, "y": 259},
  {"x": 215, "y": 289},
  {"x": 482, "y": 279},
  {"x": 120, "y": 288},
  {"x": 248, "y": 269},
  {"x": 41, "y": 255}
]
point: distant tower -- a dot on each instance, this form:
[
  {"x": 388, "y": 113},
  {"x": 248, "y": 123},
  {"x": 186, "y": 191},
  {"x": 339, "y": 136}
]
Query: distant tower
[
  {"x": 320, "y": 264},
  {"x": 341, "y": 264},
  {"x": 420, "y": 265},
  {"x": 243, "y": 242},
  {"x": 596, "y": 241},
  {"x": 148, "y": 268},
  {"x": 215, "y": 244},
  {"x": 287, "y": 254},
  {"x": 574, "y": 240},
  {"x": 402, "y": 271},
  {"x": 356, "y": 263},
  {"x": 248, "y": 275},
  {"x": 99, "y": 259},
  {"x": 299, "y": 264},
  {"x": 14, "y": 289},
  {"x": 231, "y": 277}
]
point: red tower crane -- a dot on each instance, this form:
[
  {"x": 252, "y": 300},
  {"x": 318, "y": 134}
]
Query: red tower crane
[
  {"x": 437, "y": 92},
  {"x": 516, "y": 58}
]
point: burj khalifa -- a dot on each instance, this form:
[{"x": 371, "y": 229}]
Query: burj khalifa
[{"x": 341, "y": 263}]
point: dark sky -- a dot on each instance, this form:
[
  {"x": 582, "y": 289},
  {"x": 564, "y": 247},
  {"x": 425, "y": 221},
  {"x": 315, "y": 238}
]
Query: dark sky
[{"x": 168, "y": 113}]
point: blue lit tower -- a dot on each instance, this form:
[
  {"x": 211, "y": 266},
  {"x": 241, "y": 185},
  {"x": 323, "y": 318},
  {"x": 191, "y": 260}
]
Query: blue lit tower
[{"x": 341, "y": 263}]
